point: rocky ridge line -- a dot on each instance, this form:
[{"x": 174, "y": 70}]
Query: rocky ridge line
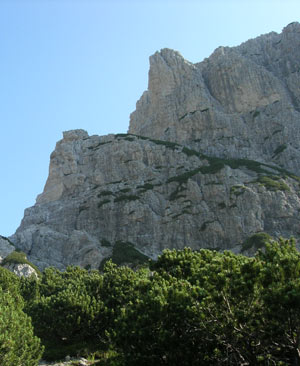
[{"x": 211, "y": 158}]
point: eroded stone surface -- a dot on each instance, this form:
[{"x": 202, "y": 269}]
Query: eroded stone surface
[
  {"x": 6, "y": 248},
  {"x": 21, "y": 270},
  {"x": 240, "y": 103},
  {"x": 153, "y": 194}
]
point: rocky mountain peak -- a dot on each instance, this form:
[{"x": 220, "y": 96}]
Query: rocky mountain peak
[
  {"x": 293, "y": 27},
  {"x": 239, "y": 102},
  {"x": 212, "y": 157}
]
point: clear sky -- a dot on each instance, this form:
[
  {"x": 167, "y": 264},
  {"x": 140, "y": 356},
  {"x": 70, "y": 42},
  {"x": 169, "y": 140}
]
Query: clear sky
[{"x": 84, "y": 64}]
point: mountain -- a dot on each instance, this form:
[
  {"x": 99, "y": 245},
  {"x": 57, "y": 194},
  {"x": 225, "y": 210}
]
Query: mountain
[{"x": 211, "y": 158}]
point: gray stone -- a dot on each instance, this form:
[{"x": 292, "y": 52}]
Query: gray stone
[
  {"x": 239, "y": 102},
  {"x": 168, "y": 189},
  {"x": 6, "y": 247},
  {"x": 153, "y": 195},
  {"x": 21, "y": 270}
]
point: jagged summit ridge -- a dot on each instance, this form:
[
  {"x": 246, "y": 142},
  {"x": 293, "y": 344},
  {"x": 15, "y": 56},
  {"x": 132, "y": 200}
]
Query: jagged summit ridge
[
  {"x": 239, "y": 102},
  {"x": 211, "y": 158}
]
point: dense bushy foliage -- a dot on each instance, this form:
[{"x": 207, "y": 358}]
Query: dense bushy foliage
[
  {"x": 210, "y": 308},
  {"x": 188, "y": 308},
  {"x": 65, "y": 310},
  {"x": 18, "y": 345}
]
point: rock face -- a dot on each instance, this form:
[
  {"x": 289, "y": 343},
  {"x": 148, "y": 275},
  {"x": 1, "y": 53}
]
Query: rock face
[
  {"x": 240, "y": 102},
  {"x": 6, "y": 248},
  {"x": 21, "y": 270},
  {"x": 212, "y": 157}
]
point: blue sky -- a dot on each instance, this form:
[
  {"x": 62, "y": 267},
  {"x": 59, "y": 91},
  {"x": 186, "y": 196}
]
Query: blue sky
[{"x": 84, "y": 64}]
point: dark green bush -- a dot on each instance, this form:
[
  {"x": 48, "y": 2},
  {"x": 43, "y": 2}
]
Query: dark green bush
[
  {"x": 18, "y": 345},
  {"x": 256, "y": 241},
  {"x": 190, "y": 308},
  {"x": 65, "y": 310}
]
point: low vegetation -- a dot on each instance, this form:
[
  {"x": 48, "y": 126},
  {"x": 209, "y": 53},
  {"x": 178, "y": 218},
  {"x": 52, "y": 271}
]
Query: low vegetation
[
  {"x": 273, "y": 183},
  {"x": 187, "y": 308},
  {"x": 256, "y": 241},
  {"x": 18, "y": 344},
  {"x": 18, "y": 257},
  {"x": 129, "y": 197}
]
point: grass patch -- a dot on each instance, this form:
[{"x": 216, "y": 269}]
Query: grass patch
[
  {"x": 18, "y": 257},
  {"x": 237, "y": 190},
  {"x": 273, "y": 183}
]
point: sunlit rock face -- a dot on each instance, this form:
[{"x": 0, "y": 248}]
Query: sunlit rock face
[
  {"x": 6, "y": 248},
  {"x": 239, "y": 102},
  {"x": 211, "y": 158},
  {"x": 21, "y": 270}
]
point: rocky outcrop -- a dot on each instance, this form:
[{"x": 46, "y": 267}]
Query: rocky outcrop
[
  {"x": 21, "y": 270},
  {"x": 212, "y": 158},
  {"x": 240, "y": 102},
  {"x": 6, "y": 247},
  {"x": 153, "y": 194}
]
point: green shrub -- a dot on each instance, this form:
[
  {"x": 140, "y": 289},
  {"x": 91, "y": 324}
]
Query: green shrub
[
  {"x": 183, "y": 178},
  {"x": 18, "y": 345},
  {"x": 9, "y": 281},
  {"x": 125, "y": 252},
  {"x": 65, "y": 311},
  {"x": 256, "y": 241},
  {"x": 273, "y": 183}
]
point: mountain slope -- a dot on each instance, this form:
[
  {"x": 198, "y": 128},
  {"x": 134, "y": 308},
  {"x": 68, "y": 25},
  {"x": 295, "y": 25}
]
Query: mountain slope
[
  {"x": 240, "y": 102},
  {"x": 211, "y": 158}
]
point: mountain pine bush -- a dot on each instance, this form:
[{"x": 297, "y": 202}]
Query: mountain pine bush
[{"x": 18, "y": 345}]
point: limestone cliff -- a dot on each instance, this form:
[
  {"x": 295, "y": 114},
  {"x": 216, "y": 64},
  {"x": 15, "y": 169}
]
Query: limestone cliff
[
  {"x": 240, "y": 102},
  {"x": 6, "y": 248},
  {"x": 212, "y": 157}
]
